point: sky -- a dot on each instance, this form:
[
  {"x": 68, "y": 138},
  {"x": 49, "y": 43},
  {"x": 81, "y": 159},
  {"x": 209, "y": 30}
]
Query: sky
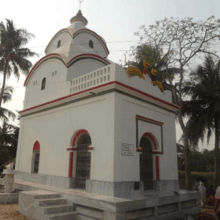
[{"x": 115, "y": 20}]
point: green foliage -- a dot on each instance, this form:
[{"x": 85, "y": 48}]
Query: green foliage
[
  {"x": 204, "y": 107},
  {"x": 199, "y": 161},
  {"x": 8, "y": 143},
  {"x": 12, "y": 52}
]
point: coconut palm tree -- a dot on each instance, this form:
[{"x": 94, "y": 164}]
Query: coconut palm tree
[
  {"x": 12, "y": 52},
  {"x": 203, "y": 109},
  {"x": 5, "y": 114}
]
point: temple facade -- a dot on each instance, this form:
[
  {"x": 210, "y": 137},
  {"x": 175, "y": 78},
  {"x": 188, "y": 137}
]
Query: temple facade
[{"x": 87, "y": 125}]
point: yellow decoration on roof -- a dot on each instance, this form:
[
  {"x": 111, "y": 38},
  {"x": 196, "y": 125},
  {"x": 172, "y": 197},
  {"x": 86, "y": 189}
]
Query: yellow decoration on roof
[
  {"x": 134, "y": 70},
  {"x": 154, "y": 72},
  {"x": 146, "y": 64},
  {"x": 159, "y": 84}
]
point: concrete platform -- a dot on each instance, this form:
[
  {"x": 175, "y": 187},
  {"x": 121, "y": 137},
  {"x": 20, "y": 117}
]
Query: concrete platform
[{"x": 152, "y": 205}]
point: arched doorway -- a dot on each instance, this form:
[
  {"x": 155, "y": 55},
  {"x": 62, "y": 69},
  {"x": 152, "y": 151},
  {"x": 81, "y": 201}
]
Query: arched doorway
[
  {"x": 83, "y": 161},
  {"x": 146, "y": 163}
]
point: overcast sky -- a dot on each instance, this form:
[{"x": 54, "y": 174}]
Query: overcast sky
[{"x": 115, "y": 20}]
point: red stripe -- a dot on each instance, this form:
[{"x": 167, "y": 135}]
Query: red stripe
[
  {"x": 157, "y": 168},
  {"x": 147, "y": 95},
  {"x": 150, "y": 120},
  {"x": 87, "y": 90},
  {"x": 71, "y": 164},
  {"x": 73, "y": 35},
  {"x": 87, "y": 54}
]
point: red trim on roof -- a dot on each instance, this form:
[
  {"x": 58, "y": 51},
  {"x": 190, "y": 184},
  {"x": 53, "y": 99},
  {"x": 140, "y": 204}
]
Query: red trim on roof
[
  {"x": 67, "y": 64},
  {"x": 87, "y": 55},
  {"x": 65, "y": 29},
  {"x": 74, "y": 34},
  {"x": 36, "y": 64},
  {"x": 36, "y": 146},
  {"x": 87, "y": 30},
  {"x": 87, "y": 90},
  {"x": 150, "y": 120},
  {"x": 148, "y": 95}
]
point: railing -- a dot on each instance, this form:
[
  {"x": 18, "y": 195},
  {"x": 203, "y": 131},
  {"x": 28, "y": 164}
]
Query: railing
[{"x": 89, "y": 80}]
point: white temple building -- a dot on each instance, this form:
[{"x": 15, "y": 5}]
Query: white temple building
[{"x": 87, "y": 126}]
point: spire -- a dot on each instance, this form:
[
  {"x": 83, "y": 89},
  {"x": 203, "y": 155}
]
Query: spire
[{"x": 79, "y": 17}]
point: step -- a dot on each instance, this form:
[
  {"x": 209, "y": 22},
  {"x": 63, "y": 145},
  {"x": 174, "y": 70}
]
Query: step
[
  {"x": 46, "y": 196},
  {"x": 61, "y": 216},
  {"x": 53, "y": 201},
  {"x": 57, "y": 208}
]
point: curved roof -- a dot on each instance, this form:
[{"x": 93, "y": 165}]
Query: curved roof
[
  {"x": 77, "y": 26},
  {"x": 67, "y": 64}
]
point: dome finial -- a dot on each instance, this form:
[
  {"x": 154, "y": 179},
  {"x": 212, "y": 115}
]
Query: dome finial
[
  {"x": 79, "y": 17},
  {"x": 80, "y": 2}
]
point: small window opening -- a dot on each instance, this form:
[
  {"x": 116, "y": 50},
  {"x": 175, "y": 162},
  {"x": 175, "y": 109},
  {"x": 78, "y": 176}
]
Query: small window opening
[
  {"x": 59, "y": 43},
  {"x": 43, "y": 85},
  {"x": 90, "y": 44}
]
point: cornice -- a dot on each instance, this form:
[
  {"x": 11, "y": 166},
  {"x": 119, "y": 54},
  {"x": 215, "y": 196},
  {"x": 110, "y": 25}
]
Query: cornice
[{"x": 113, "y": 86}]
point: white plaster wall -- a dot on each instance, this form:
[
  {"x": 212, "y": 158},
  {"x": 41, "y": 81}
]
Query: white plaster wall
[
  {"x": 84, "y": 38},
  {"x": 126, "y": 168},
  {"x": 54, "y": 130},
  {"x": 55, "y": 85},
  {"x": 64, "y": 37},
  {"x": 140, "y": 84},
  {"x": 82, "y": 67}
]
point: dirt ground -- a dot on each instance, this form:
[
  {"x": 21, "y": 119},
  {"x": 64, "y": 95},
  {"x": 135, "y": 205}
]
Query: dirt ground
[{"x": 10, "y": 212}]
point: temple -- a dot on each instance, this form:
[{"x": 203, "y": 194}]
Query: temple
[{"x": 87, "y": 127}]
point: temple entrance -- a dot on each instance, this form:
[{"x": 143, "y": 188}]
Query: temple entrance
[
  {"x": 83, "y": 160},
  {"x": 146, "y": 163}
]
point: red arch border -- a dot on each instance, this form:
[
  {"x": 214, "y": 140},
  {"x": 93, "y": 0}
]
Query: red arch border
[
  {"x": 153, "y": 139},
  {"x": 74, "y": 140},
  {"x": 157, "y": 158},
  {"x": 77, "y": 134},
  {"x": 36, "y": 146}
]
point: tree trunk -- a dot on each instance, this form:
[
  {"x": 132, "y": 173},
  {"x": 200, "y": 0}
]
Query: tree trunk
[
  {"x": 186, "y": 152},
  {"x": 217, "y": 154},
  {"x": 188, "y": 184},
  {"x": 2, "y": 89},
  {"x": 3, "y": 84}
]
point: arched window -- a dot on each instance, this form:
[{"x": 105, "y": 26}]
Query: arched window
[
  {"x": 90, "y": 44},
  {"x": 43, "y": 84},
  {"x": 59, "y": 43},
  {"x": 36, "y": 157}
]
